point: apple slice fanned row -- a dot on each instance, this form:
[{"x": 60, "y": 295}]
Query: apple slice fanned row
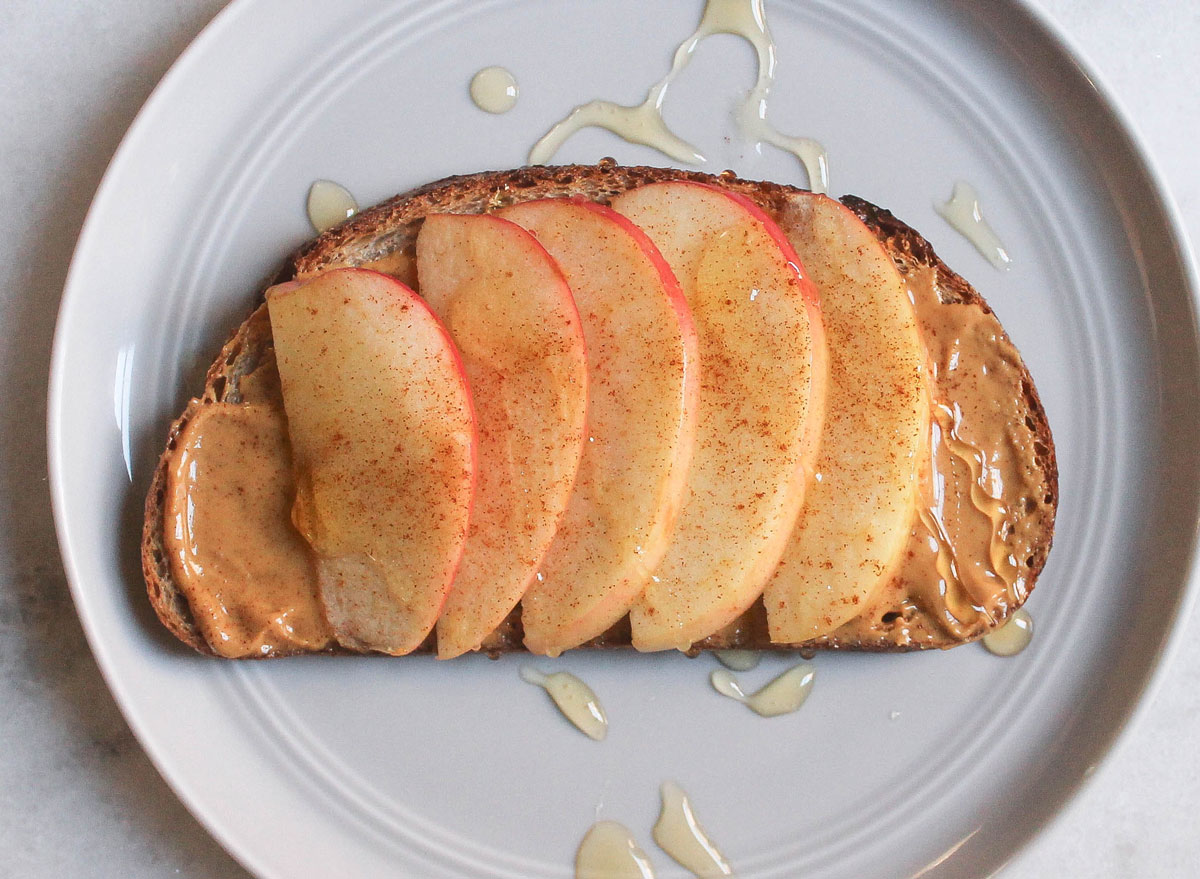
[{"x": 650, "y": 410}]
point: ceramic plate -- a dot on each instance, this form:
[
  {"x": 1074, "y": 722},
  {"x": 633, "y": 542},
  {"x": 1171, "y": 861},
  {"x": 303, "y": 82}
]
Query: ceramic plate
[{"x": 939, "y": 764}]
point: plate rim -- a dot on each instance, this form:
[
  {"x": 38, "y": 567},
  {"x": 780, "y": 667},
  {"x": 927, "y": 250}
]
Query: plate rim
[{"x": 1175, "y": 630}]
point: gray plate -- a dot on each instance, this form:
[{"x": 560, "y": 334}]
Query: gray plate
[{"x": 938, "y": 765}]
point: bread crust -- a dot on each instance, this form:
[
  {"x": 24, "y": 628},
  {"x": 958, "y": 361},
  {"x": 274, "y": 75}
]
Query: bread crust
[{"x": 388, "y": 231}]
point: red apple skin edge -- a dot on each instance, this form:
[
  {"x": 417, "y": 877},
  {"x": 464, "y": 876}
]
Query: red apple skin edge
[
  {"x": 683, "y": 312},
  {"x": 570, "y": 304},
  {"x": 670, "y": 282},
  {"x": 461, "y": 374},
  {"x": 816, "y": 323},
  {"x": 405, "y": 293},
  {"x": 677, "y": 303}
]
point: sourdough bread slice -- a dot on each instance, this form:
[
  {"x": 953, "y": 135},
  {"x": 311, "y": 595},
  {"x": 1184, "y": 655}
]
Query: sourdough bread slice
[{"x": 384, "y": 237}]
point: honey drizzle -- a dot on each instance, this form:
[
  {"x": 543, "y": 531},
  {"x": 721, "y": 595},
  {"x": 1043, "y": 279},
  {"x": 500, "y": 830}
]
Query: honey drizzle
[
  {"x": 963, "y": 605},
  {"x": 644, "y": 124}
]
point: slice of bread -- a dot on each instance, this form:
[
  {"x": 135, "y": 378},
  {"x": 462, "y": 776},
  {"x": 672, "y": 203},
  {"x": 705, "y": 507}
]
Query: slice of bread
[{"x": 384, "y": 237}]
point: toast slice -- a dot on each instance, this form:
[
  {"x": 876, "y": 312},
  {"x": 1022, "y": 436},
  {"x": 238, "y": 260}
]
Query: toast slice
[{"x": 908, "y": 612}]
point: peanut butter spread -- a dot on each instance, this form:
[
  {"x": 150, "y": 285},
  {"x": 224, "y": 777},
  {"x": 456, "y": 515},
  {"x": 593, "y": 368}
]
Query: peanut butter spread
[
  {"x": 978, "y": 522},
  {"x": 232, "y": 548}
]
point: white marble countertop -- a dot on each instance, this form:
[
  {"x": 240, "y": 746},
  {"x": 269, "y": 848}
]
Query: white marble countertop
[{"x": 77, "y": 795}]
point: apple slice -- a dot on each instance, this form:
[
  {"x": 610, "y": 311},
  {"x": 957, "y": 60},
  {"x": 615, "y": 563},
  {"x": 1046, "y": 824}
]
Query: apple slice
[
  {"x": 380, "y": 422},
  {"x": 510, "y": 312},
  {"x": 858, "y": 516},
  {"x": 762, "y": 396},
  {"x": 643, "y": 385}
]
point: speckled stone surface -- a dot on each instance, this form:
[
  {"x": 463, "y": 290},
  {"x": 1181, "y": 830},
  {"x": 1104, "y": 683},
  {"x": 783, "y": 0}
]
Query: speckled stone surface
[{"x": 77, "y": 795}]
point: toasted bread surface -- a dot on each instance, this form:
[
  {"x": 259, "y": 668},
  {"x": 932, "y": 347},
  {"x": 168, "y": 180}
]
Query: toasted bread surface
[{"x": 384, "y": 237}]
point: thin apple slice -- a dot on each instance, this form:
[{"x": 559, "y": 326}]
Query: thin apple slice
[
  {"x": 380, "y": 423},
  {"x": 763, "y": 371},
  {"x": 643, "y": 384},
  {"x": 858, "y": 516},
  {"x": 510, "y": 312}
]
